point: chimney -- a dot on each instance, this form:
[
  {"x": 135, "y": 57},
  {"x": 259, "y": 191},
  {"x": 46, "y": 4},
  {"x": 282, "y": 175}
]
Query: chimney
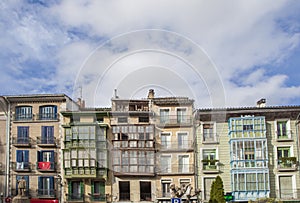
[
  {"x": 151, "y": 94},
  {"x": 261, "y": 103},
  {"x": 81, "y": 103}
]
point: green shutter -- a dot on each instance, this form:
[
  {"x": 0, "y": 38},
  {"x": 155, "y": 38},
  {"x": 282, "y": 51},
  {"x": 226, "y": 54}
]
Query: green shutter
[
  {"x": 92, "y": 187},
  {"x": 69, "y": 188},
  {"x": 82, "y": 188},
  {"x": 102, "y": 188}
]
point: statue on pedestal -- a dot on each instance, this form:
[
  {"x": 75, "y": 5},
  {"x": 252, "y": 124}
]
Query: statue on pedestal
[
  {"x": 178, "y": 192},
  {"x": 22, "y": 187}
]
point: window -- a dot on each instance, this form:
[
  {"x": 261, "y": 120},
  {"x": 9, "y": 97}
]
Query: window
[
  {"x": 122, "y": 119},
  {"x": 47, "y": 135},
  {"x": 145, "y": 191},
  {"x": 23, "y": 113},
  {"x": 98, "y": 190},
  {"x": 165, "y": 185},
  {"x": 164, "y": 115},
  {"x": 283, "y": 152},
  {"x": 23, "y": 135},
  {"x": 48, "y": 112},
  {"x": 282, "y": 129},
  {"x": 144, "y": 119},
  {"x": 183, "y": 141},
  {"x": 165, "y": 140},
  {"x": 183, "y": 163},
  {"x": 22, "y": 160},
  {"x": 249, "y": 181},
  {"x": 124, "y": 190},
  {"x": 208, "y": 133},
  {"x": 181, "y": 115},
  {"x": 165, "y": 164},
  {"x": 76, "y": 190},
  {"x": 27, "y": 183},
  {"x": 209, "y": 159},
  {"x": 45, "y": 160},
  {"x": 46, "y": 186}
]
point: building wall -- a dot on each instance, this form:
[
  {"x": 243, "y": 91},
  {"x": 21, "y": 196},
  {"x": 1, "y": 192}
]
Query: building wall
[{"x": 2, "y": 151}]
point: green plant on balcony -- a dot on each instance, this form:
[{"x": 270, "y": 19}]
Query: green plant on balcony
[
  {"x": 287, "y": 162},
  {"x": 210, "y": 163}
]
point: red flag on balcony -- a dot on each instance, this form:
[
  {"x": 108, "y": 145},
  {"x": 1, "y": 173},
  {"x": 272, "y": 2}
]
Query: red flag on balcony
[{"x": 44, "y": 165}]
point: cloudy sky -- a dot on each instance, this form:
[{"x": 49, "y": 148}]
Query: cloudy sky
[{"x": 220, "y": 53}]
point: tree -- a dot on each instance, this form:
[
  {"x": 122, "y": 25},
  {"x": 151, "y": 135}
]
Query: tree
[{"x": 217, "y": 191}]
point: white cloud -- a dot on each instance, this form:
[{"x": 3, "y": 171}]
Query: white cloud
[{"x": 238, "y": 36}]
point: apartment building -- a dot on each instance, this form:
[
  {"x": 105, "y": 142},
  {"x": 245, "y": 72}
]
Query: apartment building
[
  {"x": 174, "y": 143},
  {"x": 34, "y": 143},
  {"x": 255, "y": 150},
  {"x": 85, "y": 150},
  {"x": 3, "y": 147},
  {"x": 133, "y": 151}
]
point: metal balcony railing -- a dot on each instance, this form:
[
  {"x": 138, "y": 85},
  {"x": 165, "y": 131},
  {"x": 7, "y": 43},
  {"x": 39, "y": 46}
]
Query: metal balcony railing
[
  {"x": 174, "y": 120},
  {"x": 133, "y": 144},
  {"x": 21, "y": 141},
  {"x": 175, "y": 169},
  {"x": 46, "y": 193},
  {"x": 98, "y": 197},
  {"x": 46, "y": 141},
  {"x": 21, "y": 166},
  {"x": 23, "y": 117},
  {"x": 75, "y": 197},
  {"x": 287, "y": 163},
  {"x": 175, "y": 145},
  {"x": 47, "y": 116}
]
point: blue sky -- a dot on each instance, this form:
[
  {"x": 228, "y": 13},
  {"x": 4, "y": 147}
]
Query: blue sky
[{"x": 219, "y": 53}]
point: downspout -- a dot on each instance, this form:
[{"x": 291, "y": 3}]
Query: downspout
[
  {"x": 297, "y": 138},
  {"x": 7, "y": 159}
]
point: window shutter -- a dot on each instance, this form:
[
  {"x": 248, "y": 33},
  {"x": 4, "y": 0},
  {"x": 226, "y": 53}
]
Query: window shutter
[
  {"x": 93, "y": 187},
  {"x": 52, "y": 182},
  {"x": 81, "y": 188},
  {"x": 52, "y": 156},
  {"x": 26, "y": 156},
  {"x": 102, "y": 188},
  {"x": 19, "y": 156},
  {"x": 39, "y": 156},
  {"x": 69, "y": 189}
]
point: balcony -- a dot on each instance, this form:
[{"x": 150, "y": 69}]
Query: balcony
[
  {"x": 23, "y": 117},
  {"x": 186, "y": 145},
  {"x": 44, "y": 166},
  {"x": 22, "y": 166},
  {"x": 286, "y": 136},
  {"x": 287, "y": 164},
  {"x": 97, "y": 197},
  {"x": 133, "y": 170},
  {"x": 46, "y": 193},
  {"x": 76, "y": 197},
  {"x": 210, "y": 166},
  {"x": 175, "y": 169},
  {"x": 47, "y": 117},
  {"x": 171, "y": 121},
  {"x": 210, "y": 138},
  {"x": 21, "y": 142},
  {"x": 46, "y": 142},
  {"x": 144, "y": 144}
]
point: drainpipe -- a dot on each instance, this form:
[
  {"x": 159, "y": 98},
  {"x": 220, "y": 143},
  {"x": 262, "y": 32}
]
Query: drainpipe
[{"x": 297, "y": 137}]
